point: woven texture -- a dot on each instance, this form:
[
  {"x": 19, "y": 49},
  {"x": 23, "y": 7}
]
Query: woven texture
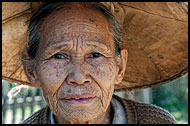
[{"x": 136, "y": 113}]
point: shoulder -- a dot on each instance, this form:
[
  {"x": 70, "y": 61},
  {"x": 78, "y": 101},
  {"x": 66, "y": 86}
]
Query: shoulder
[
  {"x": 143, "y": 113},
  {"x": 39, "y": 117}
]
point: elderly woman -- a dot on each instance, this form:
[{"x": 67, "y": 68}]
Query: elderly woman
[{"x": 74, "y": 56}]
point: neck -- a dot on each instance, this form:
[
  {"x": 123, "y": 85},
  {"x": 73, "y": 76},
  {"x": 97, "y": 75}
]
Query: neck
[{"x": 105, "y": 118}]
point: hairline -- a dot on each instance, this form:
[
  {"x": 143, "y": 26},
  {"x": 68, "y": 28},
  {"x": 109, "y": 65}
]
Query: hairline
[{"x": 36, "y": 20}]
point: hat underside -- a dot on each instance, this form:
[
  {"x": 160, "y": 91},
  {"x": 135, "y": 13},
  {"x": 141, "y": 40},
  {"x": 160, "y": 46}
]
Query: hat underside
[{"x": 155, "y": 35}]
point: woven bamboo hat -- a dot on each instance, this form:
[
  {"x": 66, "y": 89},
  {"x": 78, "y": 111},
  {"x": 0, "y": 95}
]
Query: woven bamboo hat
[{"x": 155, "y": 35}]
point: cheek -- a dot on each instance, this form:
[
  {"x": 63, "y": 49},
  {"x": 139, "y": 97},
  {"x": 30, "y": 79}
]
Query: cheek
[
  {"x": 51, "y": 99},
  {"x": 52, "y": 74},
  {"x": 103, "y": 71}
]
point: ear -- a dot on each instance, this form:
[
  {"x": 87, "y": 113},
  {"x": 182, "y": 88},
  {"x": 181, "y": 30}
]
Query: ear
[
  {"x": 121, "y": 66},
  {"x": 29, "y": 69}
]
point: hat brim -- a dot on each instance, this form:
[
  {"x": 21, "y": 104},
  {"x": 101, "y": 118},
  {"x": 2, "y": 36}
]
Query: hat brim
[{"x": 154, "y": 33}]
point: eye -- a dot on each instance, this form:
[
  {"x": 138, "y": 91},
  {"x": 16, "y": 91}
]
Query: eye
[
  {"x": 95, "y": 55},
  {"x": 58, "y": 56}
]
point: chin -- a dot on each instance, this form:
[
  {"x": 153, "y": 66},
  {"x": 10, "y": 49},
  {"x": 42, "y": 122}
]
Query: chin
[{"x": 80, "y": 117}]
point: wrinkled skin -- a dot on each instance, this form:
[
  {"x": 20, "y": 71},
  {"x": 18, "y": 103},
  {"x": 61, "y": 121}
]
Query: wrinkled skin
[{"x": 75, "y": 34}]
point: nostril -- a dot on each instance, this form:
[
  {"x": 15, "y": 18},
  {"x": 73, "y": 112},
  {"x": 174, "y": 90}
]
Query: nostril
[
  {"x": 78, "y": 78},
  {"x": 86, "y": 81},
  {"x": 78, "y": 82},
  {"x": 70, "y": 82}
]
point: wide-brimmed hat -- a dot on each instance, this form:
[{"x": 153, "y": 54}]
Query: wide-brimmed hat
[{"x": 154, "y": 33}]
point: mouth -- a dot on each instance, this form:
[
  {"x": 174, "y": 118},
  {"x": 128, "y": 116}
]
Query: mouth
[{"x": 76, "y": 99}]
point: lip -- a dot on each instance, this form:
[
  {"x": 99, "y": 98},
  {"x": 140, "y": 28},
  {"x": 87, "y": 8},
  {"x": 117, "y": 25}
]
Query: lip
[{"x": 79, "y": 99}]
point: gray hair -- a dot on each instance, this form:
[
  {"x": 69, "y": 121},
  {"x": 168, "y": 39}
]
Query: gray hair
[{"x": 48, "y": 8}]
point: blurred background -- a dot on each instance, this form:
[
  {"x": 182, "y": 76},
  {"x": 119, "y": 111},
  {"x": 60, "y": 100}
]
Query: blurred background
[{"x": 172, "y": 96}]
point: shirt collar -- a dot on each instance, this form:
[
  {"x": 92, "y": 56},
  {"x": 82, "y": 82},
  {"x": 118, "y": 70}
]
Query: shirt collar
[
  {"x": 119, "y": 113},
  {"x": 51, "y": 117}
]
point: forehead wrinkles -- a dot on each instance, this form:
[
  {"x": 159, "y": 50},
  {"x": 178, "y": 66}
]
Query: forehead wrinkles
[
  {"x": 73, "y": 26},
  {"x": 75, "y": 37},
  {"x": 78, "y": 44},
  {"x": 77, "y": 17},
  {"x": 62, "y": 26}
]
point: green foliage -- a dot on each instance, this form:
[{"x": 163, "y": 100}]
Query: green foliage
[{"x": 173, "y": 97}]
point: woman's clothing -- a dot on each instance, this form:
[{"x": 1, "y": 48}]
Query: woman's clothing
[{"x": 125, "y": 112}]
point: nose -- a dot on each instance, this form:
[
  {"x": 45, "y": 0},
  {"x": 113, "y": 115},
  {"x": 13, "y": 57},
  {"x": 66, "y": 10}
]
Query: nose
[{"x": 78, "y": 76}]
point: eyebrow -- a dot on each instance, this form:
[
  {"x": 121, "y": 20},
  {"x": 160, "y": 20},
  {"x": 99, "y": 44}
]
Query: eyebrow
[
  {"x": 96, "y": 44},
  {"x": 68, "y": 46}
]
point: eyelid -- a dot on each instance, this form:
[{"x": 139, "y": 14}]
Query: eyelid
[
  {"x": 65, "y": 55},
  {"x": 101, "y": 54}
]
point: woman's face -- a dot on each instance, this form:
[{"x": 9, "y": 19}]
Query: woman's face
[{"x": 76, "y": 64}]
